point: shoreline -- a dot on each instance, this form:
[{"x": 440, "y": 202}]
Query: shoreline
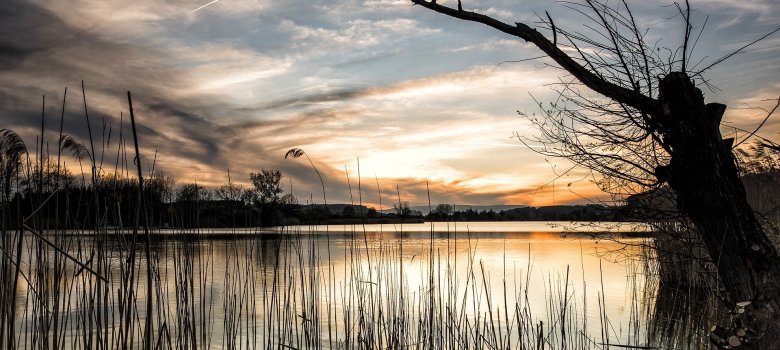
[{"x": 350, "y": 228}]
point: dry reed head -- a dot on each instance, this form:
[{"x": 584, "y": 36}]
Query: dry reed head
[{"x": 294, "y": 153}]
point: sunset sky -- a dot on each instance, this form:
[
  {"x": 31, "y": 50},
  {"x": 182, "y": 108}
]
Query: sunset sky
[{"x": 416, "y": 96}]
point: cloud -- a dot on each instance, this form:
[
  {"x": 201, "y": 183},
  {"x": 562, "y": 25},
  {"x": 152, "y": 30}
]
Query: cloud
[
  {"x": 357, "y": 33},
  {"x": 764, "y": 11},
  {"x": 418, "y": 97},
  {"x": 747, "y": 114},
  {"x": 56, "y": 54},
  {"x": 384, "y": 4},
  {"x": 483, "y": 80},
  {"x": 497, "y": 13},
  {"x": 491, "y": 44}
]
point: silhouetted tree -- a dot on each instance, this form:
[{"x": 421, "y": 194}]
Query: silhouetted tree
[
  {"x": 229, "y": 192},
  {"x": 654, "y": 129},
  {"x": 47, "y": 177},
  {"x": 402, "y": 209},
  {"x": 288, "y": 199},
  {"x": 442, "y": 211},
  {"x": 161, "y": 187},
  {"x": 192, "y": 192},
  {"x": 267, "y": 185}
]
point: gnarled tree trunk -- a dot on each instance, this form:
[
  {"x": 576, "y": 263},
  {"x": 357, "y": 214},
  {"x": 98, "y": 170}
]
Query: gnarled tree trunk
[{"x": 704, "y": 177}]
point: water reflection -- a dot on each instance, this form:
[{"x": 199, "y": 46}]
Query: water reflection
[{"x": 342, "y": 286}]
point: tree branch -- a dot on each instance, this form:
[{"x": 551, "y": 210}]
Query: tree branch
[{"x": 590, "y": 79}]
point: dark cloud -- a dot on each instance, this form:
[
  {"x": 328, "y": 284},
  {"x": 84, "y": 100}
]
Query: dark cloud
[
  {"x": 11, "y": 56},
  {"x": 26, "y": 29},
  {"x": 191, "y": 124},
  {"x": 40, "y": 52},
  {"x": 334, "y": 96}
]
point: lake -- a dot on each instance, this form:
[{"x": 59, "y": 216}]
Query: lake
[{"x": 443, "y": 285}]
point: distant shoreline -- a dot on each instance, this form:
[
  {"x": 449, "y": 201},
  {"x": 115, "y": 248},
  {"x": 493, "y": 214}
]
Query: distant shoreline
[{"x": 415, "y": 228}]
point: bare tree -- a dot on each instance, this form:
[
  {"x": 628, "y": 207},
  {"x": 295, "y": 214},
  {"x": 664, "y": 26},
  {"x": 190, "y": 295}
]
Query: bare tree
[
  {"x": 402, "y": 209},
  {"x": 229, "y": 192},
  {"x": 652, "y": 129},
  {"x": 161, "y": 187},
  {"x": 192, "y": 192},
  {"x": 443, "y": 210}
]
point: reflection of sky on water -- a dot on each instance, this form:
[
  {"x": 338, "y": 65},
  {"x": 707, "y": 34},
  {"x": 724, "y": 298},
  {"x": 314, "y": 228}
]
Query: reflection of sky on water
[{"x": 512, "y": 263}]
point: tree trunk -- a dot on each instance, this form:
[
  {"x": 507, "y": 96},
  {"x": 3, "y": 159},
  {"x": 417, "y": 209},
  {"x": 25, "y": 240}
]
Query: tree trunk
[{"x": 704, "y": 176}]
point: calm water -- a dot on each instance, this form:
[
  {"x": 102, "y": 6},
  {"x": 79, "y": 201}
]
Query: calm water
[{"x": 331, "y": 286}]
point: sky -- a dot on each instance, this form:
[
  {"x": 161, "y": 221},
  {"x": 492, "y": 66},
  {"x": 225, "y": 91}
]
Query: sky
[{"x": 380, "y": 94}]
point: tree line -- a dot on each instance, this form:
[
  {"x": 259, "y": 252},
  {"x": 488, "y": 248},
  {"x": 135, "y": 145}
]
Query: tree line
[{"x": 109, "y": 200}]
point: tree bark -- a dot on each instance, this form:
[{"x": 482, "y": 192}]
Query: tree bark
[{"x": 704, "y": 177}]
